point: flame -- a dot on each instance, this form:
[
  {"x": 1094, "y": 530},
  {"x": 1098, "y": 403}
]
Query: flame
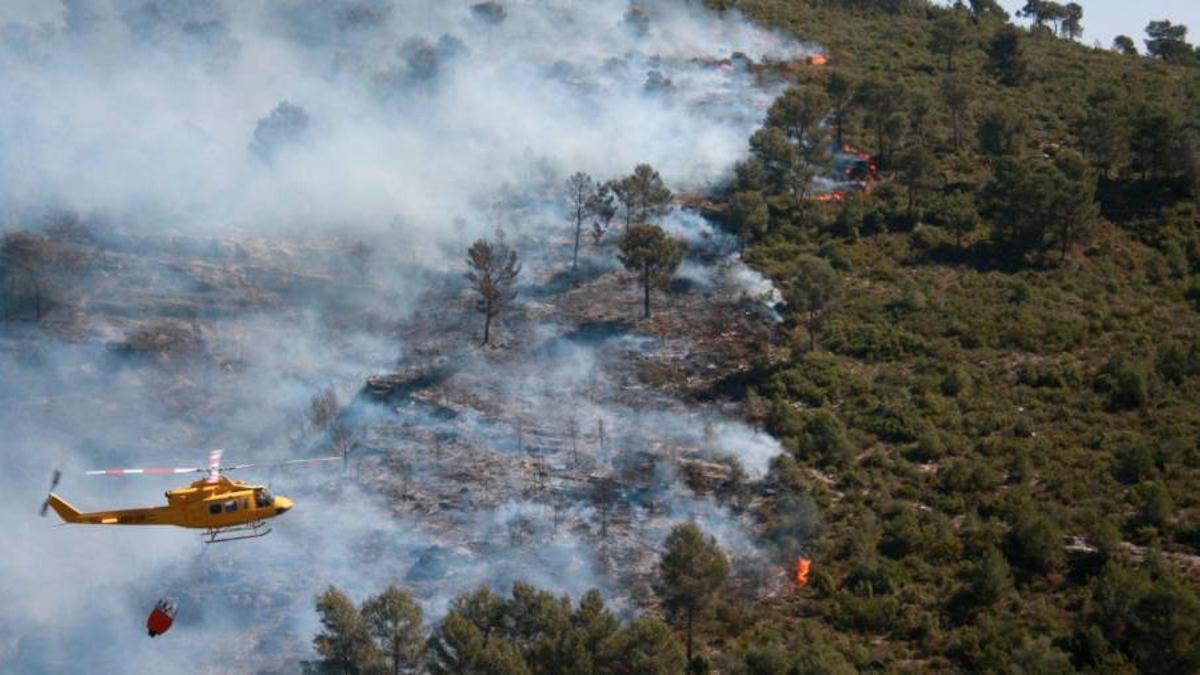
[{"x": 800, "y": 574}]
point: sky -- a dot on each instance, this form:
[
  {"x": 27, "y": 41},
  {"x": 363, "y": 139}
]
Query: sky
[{"x": 1103, "y": 20}]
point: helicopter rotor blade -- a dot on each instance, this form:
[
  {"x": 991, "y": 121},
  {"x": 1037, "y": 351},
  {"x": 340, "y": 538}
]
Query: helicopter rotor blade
[
  {"x": 144, "y": 472},
  {"x": 282, "y": 463}
]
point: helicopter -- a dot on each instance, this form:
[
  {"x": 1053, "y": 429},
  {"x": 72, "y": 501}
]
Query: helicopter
[{"x": 227, "y": 510}]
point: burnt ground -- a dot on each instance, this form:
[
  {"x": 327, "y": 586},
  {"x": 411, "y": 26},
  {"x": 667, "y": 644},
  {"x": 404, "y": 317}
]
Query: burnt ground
[
  {"x": 584, "y": 430},
  {"x": 604, "y": 423}
]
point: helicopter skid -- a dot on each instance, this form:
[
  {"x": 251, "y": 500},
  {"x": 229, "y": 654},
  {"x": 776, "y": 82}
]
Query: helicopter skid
[{"x": 253, "y": 530}]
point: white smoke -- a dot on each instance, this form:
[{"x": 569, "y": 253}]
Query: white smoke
[
  {"x": 418, "y": 112},
  {"x": 162, "y": 123}
]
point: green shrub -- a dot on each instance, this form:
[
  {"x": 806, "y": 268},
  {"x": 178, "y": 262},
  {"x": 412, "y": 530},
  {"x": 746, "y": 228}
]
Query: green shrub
[
  {"x": 929, "y": 447},
  {"x": 956, "y": 382},
  {"x": 1154, "y": 504},
  {"x": 1154, "y": 622},
  {"x": 895, "y": 424},
  {"x": 1178, "y": 361},
  {"x": 1126, "y": 382},
  {"x": 874, "y": 342},
  {"x": 1035, "y": 543},
  {"x": 971, "y": 474},
  {"x": 824, "y": 438},
  {"x": 924, "y": 238},
  {"x": 1133, "y": 461}
]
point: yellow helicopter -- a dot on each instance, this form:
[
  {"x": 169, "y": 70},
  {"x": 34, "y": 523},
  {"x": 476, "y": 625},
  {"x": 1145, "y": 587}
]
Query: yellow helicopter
[{"x": 227, "y": 510}]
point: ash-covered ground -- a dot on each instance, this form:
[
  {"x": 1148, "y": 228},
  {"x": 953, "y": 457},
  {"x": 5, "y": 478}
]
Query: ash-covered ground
[
  {"x": 207, "y": 259},
  {"x": 561, "y": 454}
]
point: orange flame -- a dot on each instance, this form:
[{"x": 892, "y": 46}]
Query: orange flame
[{"x": 800, "y": 574}]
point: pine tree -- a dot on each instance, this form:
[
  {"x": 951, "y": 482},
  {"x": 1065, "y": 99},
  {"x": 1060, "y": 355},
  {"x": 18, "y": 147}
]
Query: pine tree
[
  {"x": 394, "y": 621},
  {"x": 493, "y": 274},
  {"x": 344, "y": 643},
  {"x": 691, "y": 571},
  {"x": 648, "y": 251}
]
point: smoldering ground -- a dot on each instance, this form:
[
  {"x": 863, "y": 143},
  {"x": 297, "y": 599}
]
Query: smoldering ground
[{"x": 224, "y": 156}]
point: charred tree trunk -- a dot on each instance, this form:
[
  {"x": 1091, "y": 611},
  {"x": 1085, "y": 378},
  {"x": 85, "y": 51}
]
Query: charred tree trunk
[
  {"x": 487, "y": 322},
  {"x": 573, "y": 428},
  {"x": 646, "y": 289},
  {"x": 575, "y": 255}
]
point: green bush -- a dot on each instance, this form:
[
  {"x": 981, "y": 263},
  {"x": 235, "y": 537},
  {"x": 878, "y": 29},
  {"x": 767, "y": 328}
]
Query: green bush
[
  {"x": 823, "y": 437},
  {"x": 1126, "y": 382},
  {"x": 956, "y": 381},
  {"x": 1177, "y": 361},
  {"x": 1133, "y": 461},
  {"x": 1154, "y": 504},
  {"x": 874, "y": 342},
  {"x": 1035, "y": 543}
]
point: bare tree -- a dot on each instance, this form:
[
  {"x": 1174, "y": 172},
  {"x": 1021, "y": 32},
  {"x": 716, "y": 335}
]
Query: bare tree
[
  {"x": 493, "y": 274},
  {"x": 604, "y": 496},
  {"x": 341, "y": 439},
  {"x": 580, "y": 189},
  {"x": 573, "y": 430},
  {"x": 323, "y": 409}
]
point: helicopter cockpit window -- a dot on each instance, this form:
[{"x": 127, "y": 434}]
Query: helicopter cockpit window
[
  {"x": 230, "y": 505},
  {"x": 262, "y": 498},
  {"x": 214, "y": 508}
]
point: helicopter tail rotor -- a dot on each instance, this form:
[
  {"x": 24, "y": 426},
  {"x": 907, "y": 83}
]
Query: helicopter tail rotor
[{"x": 54, "y": 478}]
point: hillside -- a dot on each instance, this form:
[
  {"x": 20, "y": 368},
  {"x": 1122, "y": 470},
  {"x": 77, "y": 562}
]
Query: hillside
[
  {"x": 1003, "y": 438},
  {"x": 809, "y": 336}
]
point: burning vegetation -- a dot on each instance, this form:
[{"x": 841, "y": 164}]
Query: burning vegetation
[{"x": 800, "y": 572}]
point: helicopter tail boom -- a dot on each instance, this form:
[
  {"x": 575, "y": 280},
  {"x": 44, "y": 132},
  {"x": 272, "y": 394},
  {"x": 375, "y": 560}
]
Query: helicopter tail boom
[{"x": 68, "y": 513}]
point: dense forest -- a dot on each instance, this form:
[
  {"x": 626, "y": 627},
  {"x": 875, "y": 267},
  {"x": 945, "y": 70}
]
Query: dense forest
[{"x": 999, "y": 417}]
